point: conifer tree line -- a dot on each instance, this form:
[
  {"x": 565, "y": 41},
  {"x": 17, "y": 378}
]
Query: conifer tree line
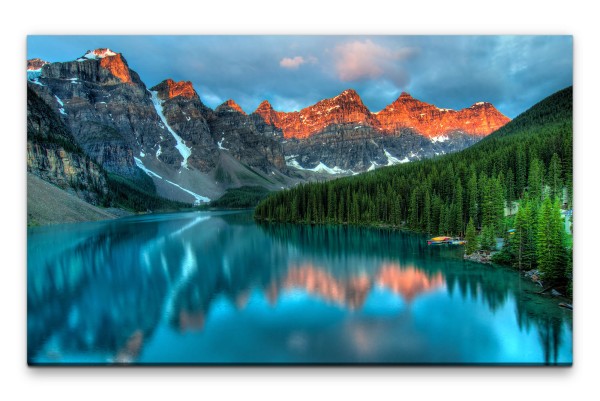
[{"x": 525, "y": 168}]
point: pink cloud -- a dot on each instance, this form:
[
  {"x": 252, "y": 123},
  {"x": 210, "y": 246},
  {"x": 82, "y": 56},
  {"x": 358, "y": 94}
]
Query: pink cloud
[
  {"x": 295, "y": 62},
  {"x": 363, "y": 60},
  {"x": 292, "y": 63}
]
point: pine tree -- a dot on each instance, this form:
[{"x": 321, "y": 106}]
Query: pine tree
[
  {"x": 483, "y": 200},
  {"x": 487, "y": 240},
  {"x": 523, "y": 241},
  {"x": 355, "y": 209},
  {"x": 510, "y": 190},
  {"x": 294, "y": 210},
  {"x": 427, "y": 213},
  {"x": 459, "y": 215},
  {"x": 488, "y": 211},
  {"x": 341, "y": 218},
  {"x": 413, "y": 211},
  {"x": 521, "y": 171},
  {"x": 531, "y": 212},
  {"x": 535, "y": 182},
  {"x": 497, "y": 195},
  {"x": 471, "y": 238},
  {"x": 443, "y": 227},
  {"x": 472, "y": 194},
  {"x": 555, "y": 177},
  {"x": 551, "y": 252},
  {"x": 397, "y": 211}
]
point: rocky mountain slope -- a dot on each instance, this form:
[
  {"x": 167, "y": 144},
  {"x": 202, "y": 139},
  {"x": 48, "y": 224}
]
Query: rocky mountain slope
[
  {"x": 341, "y": 136},
  {"x": 194, "y": 154},
  {"x": 405, "y": 112},
  {"x": 164, "y": 133},
  {"x": 54, "y": 156}
]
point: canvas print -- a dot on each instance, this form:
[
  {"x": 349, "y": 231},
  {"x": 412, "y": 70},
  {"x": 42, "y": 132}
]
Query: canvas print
[{"x": 208, "y": 200}]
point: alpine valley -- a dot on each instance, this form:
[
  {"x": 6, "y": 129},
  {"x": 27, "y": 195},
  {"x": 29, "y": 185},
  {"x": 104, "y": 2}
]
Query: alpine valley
[{"x": 102, "y": 136}]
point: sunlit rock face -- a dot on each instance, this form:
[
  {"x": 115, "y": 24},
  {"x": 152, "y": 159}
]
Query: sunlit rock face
[
  {"x": 342, "y": 136},
  {"x": 405, "y": 112},
  {"x": 169, "y": 89},
  {"x": 345, "y": 108}
]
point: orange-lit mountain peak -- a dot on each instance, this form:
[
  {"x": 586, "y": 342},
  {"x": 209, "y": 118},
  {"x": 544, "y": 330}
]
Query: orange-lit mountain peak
[
  {"x": 348, "y": 95},
  {"x": 264, "y": 106},
  {"x": 429, "y": 120},
  {"x": 268, "y": 114},
  {"x": 345, "y": 108},
  {"x": 406, "y": 112},
  {"x": 169, "y": 89},
  {"x": 117, "y": 67},
  {"x": 99, "y": 53},
  {"x": 109, "y": 60},
  {"x": 230, "y": 105}
]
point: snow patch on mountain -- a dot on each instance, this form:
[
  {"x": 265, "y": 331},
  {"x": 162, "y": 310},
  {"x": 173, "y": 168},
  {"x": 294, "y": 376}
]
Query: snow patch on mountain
[
  {"x": 199, "y": 198},
  {"x": 220, "y": 143},
  {"x": 97, "y": 54},
  {"x": 184, "y": 151},
  {"x": 151, "y": 173},
  {"x": 440, "y": 138},
  {"x": 61, "y": 109},
  {"x": 33, "y": 75},
  {"x": 391, "y": 159},
  {"x": 319, "y": 168}
]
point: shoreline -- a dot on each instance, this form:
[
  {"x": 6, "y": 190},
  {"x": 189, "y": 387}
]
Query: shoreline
[{"x": 532, "y": 275}]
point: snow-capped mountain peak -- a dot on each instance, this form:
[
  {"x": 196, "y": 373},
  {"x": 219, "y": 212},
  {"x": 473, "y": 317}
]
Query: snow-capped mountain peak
[{"x": 98, "y": 54}]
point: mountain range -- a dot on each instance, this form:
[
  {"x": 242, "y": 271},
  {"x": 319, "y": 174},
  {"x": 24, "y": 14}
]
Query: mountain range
[{"x": 93, "y": 118}]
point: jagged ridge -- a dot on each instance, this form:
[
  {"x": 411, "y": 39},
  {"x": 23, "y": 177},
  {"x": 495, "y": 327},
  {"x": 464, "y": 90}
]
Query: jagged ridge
[{"x": 405, "y": 112}]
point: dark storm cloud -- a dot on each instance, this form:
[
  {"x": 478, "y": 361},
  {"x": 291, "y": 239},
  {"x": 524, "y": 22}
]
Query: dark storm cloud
[{"x": 295, "y": 71}]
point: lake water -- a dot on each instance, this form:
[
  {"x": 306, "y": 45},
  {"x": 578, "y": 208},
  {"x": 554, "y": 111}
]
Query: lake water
[{"x": 214, "y": 287}]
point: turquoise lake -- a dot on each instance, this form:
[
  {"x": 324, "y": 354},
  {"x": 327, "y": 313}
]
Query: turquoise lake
[{"x": 218, "y": 288}]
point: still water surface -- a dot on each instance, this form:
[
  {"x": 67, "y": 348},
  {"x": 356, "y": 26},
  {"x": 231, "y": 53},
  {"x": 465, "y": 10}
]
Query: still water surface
[{"x": 214, "y": 287}]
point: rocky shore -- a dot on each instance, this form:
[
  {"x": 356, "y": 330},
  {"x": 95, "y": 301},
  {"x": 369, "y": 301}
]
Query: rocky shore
[{"x": 480, "y": 257}]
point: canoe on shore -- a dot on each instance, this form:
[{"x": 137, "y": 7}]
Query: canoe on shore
[{"x": 445, "y": 240}]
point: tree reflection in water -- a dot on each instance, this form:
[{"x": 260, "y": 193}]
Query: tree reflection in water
[{"x": 100, "y": 296}]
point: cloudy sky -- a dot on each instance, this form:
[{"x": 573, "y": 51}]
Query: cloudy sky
[{"x": 292, "y": 72}]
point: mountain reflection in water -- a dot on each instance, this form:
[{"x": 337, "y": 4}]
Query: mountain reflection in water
[{"x": 217, "y": 288}]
